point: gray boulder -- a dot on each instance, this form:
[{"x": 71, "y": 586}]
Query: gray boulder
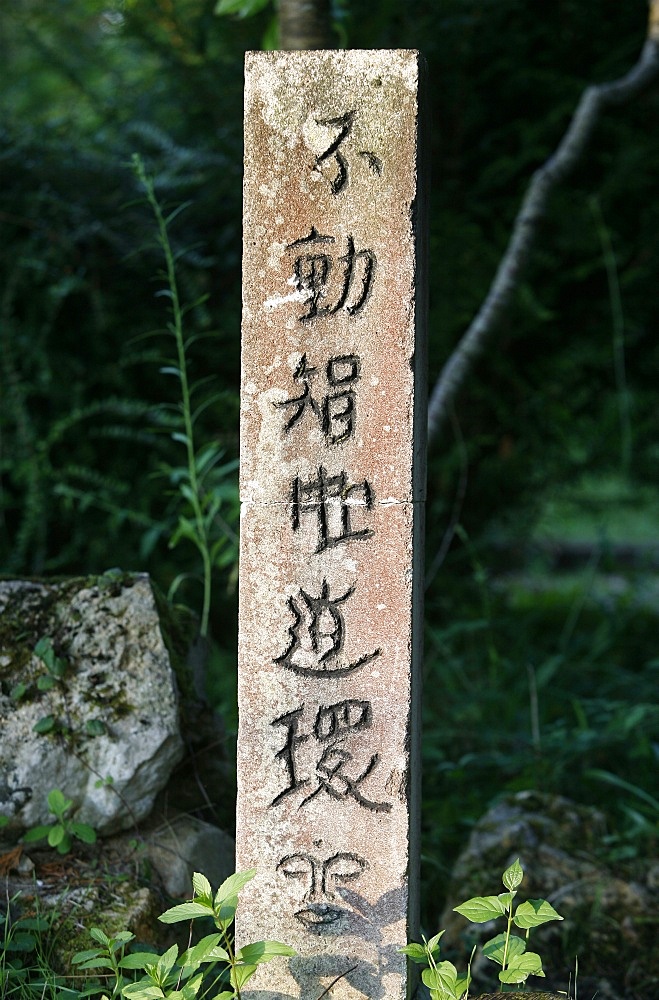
[
  {"x": 184, "y": 845},
  {"x": 94, "y": 711}
]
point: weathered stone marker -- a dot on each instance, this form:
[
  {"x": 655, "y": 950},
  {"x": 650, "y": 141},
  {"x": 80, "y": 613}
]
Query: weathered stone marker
[{"x": 332, "y": 488}]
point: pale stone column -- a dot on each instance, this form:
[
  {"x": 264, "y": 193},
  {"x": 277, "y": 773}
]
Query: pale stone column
[{"x": 332, "y": 489}]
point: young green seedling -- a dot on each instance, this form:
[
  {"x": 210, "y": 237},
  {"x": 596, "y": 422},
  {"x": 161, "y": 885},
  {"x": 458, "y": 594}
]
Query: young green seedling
[
  {"x": 509, "y": 950},
  {"x": 175, "y": 977},
  {"x": 61, "y": 833}
]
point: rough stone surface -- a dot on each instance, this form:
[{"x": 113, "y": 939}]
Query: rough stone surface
[
  {"x": 114, "y": 709},
  {"x": 185, "y": 845},
  {"x": 610, "y": 911},
  {"x": 332, "y": 489}
]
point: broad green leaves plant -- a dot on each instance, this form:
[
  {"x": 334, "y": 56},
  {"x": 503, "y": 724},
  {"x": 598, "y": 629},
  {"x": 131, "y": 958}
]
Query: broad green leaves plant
[
  {"x": 442, "y": 978},
  {"x": 507, "y": 950},
  {"x": 177, "y": 977},
  {"x": 60, "y": 834}
]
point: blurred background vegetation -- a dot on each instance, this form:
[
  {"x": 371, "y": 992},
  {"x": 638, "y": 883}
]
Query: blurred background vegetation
[{"x": 541, "y": 661}]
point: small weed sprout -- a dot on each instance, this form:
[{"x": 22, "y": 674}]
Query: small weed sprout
[
  {"x": 61, "y": 833},
  {"x": 55, "y": 665},
  {"x": 108, "y": 957}
]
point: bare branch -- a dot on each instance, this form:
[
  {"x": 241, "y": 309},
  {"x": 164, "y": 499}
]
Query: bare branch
[{"x": 526, "y": 227}]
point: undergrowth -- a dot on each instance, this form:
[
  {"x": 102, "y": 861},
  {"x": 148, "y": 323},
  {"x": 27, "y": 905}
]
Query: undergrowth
[{"x": 544, "y": 686}]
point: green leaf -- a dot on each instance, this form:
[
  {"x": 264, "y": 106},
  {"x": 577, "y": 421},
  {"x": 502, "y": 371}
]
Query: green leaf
[
  {"x": 462, "y": 983},
  {"x": 263, "y": 951},
  {"x": 84, "y": 956},
  {"x": 434, "y": 941},
  {"x": 187, "y": 992},
  {"x": 218, "y": 955},
  {"x": 205, "y": 950},
  {"x": 95, "y": 727},
  {"x": 44, "y": 650},
  {"x": 495, "y": 948},
  {"x": 35, "y": 923},
  {"x": 225, "y": 914},
  {"x": 240, "y": 974},
  {"x": 18, "y": 691},
  {"x": 166, "y": 962},
  {"x": 64, "y": 845},
  {"x": 512, "y": 877},
  {"x": 138, "y": 960},
  {"x": 36, "y": 833},
  {"x": 58, "y": 667},
  {"x": 506, "y": 900},
  {"x": 191, "y": 989},
  {"x": 97, "y": 963},
  {"x": 444, "y": 978},
  {"x": 185, "y": 911},
  {"x": 240, "y": 8},
  {"x": 44, "y": 725},
  {"x": 98, "y": 935},
  {"x": 142, "y": 991},
  {"x": 58, "y": 803},
  {"x": 232, "y": 885},
  {"x": 521, "y": 967},
  {"x": 534, "y": 912},
  {"x": 121, "y": 937},
  {"x": 56, "y": 834},
  {"x": 22, "y": 942},
  {"x": 416, "y": 952},
  {"x": 202, "y": 887},
  {"x": 84, "y": 832},
  {"x": 480, "y": 909},
  {"x": 45, "y": 682}
]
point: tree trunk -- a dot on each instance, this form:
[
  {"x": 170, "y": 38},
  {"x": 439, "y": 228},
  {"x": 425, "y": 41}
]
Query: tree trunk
[{"x": 305, "y": 24}]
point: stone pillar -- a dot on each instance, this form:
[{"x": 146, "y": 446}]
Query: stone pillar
[{"x": 332, "y": 488}]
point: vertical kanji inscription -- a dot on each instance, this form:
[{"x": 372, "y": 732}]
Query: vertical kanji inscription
[{"x": 332, "y": 491}]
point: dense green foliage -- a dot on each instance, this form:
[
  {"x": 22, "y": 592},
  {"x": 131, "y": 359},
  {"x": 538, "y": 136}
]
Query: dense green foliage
[{"x": 539, "y": 681}]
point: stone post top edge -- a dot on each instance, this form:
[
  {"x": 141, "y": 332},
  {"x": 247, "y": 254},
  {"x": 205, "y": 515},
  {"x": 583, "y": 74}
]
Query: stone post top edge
[{"x": 302, "y": 54}]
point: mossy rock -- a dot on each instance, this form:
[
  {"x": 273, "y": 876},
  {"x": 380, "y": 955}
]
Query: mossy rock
[{"x": 97, "y": 714}]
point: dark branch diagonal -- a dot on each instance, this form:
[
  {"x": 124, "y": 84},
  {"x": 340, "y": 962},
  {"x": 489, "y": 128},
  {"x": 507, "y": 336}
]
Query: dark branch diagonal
[{"x": 525, "y": 230}]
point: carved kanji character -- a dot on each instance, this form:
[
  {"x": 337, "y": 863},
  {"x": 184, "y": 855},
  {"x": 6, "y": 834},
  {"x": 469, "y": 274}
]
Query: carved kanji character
[
  {"x": 335, "y": 410},
  {"x": 334, "y": 774},
  {"x": 314, "y": 274},
  {"x": 343, "y": 124},
  {"x": 334, "y": 520},
  {"x": 317, "y": 636}
]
